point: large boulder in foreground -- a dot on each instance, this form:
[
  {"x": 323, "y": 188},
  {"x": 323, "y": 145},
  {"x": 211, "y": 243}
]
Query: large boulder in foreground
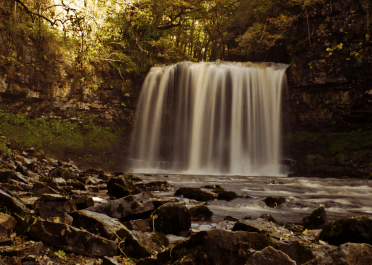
[
  {"x": 217, "y": 247},
  {"x": 316, "y": 220},
  {"x": 270, "y": 256},
  {"x": 127, "y": 206},
  {"x": 172, "y": 218},
  {"x": 70, "y": 238},
  {"x": 140, "y": 245},
  {"x": 346, "y": 254},
  {"x": 346, "y": 230},
  {"x": 54, "y": 206}
]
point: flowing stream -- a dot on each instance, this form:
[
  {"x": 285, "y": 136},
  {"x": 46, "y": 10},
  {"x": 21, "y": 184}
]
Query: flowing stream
[
  {"x": 340, "y": 197},
  {"x": 210, "y": 118}
]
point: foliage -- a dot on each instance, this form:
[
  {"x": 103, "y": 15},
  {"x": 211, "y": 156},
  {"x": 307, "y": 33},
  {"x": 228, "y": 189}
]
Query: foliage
[{"x": 54, "y": 133}]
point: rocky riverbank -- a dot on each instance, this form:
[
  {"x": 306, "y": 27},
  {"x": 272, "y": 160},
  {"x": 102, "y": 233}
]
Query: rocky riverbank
[{"x": 52, "y": 212}]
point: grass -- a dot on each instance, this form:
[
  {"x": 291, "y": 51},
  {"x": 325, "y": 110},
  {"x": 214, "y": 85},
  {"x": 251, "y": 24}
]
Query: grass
[{"x": 52, "y": 133}]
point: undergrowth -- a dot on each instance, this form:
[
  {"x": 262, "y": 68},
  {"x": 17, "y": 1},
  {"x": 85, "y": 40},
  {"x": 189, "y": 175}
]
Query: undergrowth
[{"x": 41, "y": 132}]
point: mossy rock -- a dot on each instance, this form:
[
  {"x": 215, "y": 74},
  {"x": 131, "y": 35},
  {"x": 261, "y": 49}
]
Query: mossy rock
[
  {"x": 227, "y": 195},
  {"x": 348, "y": 230},
  {"x": 274, "y": 202},
  {"x": 195, "y": 193},
  {"x": 160, "y": 239},
  {"x": 62, "y": 173},
  {"x": 200, "y": 212},
  {"x": 218, "y": 190},
  {"x": 316, "y": 220}
]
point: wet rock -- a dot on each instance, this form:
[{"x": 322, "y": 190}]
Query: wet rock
[
  {"x": 125, "y": 184},
  {"x": 24, "y": 249},
  {"x": 82, "y": 201},
  {"x": 196, "y": 194},
  {"x": 161, "y": 201},
  {"x": 148, "y": 261},
  {"x": 124, "y": 207},
  {"x": 269, "y": 218},
  {"x": 274, "y": 202},
  {"x": 245, "y": 227},
  {"x": 76, "y": 184},
  {"x": 212, "y": 187},
  {"x": 60, "y": 181},
  {"x": 7, "y": 223},
  {"x": 316, "y": 220},
  {"x": 71, "y": 239},
  {"x": 231, "y": 219},
  {"x": 297, "y": 251},
  {"x": 226, "y": 195},
  {"x": 347, "y": 230},
  {"x": 61, "y": 172},
  {"x": 216, "y": 246},
  {"x": 12, "y": 203},
  {"x": 101, "y": 224},
  {"x": 54, "y": 206},
  {"x": 38, "y": 189},
  {"x": 154, "y": 186},
  {"x": 172, "y": 218},
  {"x": 140, "y": 245},
  {"x": 6, "y": 175},
  {"x": 270, "y": 256},
  {"x": 138, "y": 225},
  {"x": 346, "y": 254},
  {"x": 200, "y": 212}
]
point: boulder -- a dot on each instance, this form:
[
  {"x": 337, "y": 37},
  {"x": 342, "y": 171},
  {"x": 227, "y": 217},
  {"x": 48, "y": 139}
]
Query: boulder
[
  {"x": 6, "y": 176},
  {"x": 140, "y": 245},
  {"x": 274, "y": 202},
  {"x": 54, "y": 206},
  {"x": 71, "y": 239},
  {"x": 172, "y": 218},
  {"x": 61, "y": 172},
  {"x": 82, "y": 201},
  {"x": 12, "y": 203},
  {"x": 270, "y": 256},
  {"x": 226, "y": 195},
  {"x": 200, "y": 212},
  {"x": 316, "y": 220},
  {"x": 138, "y": 225},
  {"x": 297, "y": 251},
  {"x": 25, "y": 249},
  {"x": 196, "y": 194},
  {"x": 148, "y": 261},
  {"x": 219, "y": 247},
  {"x": 269, "y": 218},
  {"x": 346, "y": 230},
  {"x": 7, "y": 223},
  {"x": 118, "y": 191},
  {"x": 101, "y": 224},
  {"x": 239, "y": 226},
  {"x": 109, "y": 261},
  {"x": 38, "y": 189},
  {"x": 124, "y": 207},
  {"x": 346, "y": 254}
]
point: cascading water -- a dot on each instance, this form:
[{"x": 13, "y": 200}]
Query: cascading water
[{"x": 210, "y": 118}]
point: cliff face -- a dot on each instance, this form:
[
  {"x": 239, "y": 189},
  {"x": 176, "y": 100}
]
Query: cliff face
[{"x": 330, "y": 78}]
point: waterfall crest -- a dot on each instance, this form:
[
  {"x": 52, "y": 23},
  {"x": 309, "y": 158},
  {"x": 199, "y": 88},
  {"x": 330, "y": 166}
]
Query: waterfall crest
[{"x": 210, "y": 118}]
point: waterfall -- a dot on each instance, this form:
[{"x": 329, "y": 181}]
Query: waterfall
[{"x": 210, "y": 118}]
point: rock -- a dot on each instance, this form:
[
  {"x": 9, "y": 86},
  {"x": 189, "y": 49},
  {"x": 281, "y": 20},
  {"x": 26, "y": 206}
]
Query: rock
[
  {"x": 216, "y": 246},
  {"x": 140, "y": 245},
  {"x": 54, "y": 206},
  {"x": 231, "y": 219},
  {"x": 63, "y": 173},
  {"x": 200, "y": 212},
  {"x": 161, "y": 201},
  {"x": 316, "y": 220},
  {"x": 118, "y": 191},
  {"x": 274, "y": 201},
  {"x": 346, "y": 254},
  {"x": 7, "y": 223},
  {"x": 60, "y": 181},
  {"x": 195, "y": 193},
  {"x": 82, "y": 201},
  {"x": 38, "y": 189},
  {"x": 269, "y": 218},
  {"x": 347, "y": 230},
  {"x": 212, "y": 187},
  {"x": 6, "y": 175},
  {"x": 109, "y": 261},
  {"x": 101, "y": 224},
  {"x": 172, "y": 218},
  {"x": 245, "y": 227},
  {"x": 71, "y": 239},
  {"x": 148, "y": 261},
  {"x": 124, "y": 207},
  {"x": 297, "y": 251},
  {"x": 226, "y": 195},
  {"x": 24, "y": 249},
  {"x": 138, "y": 225},
  {"x": 123, "y": 182},
  {"x": 154, "y": 186},
  {"x": 76, "y": 184},
  {"x": 270, "y": 256},
  {"x": 12, "y": 203}
]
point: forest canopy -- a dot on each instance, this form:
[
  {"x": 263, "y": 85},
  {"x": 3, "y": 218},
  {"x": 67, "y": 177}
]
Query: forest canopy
[{"x": 133, "y": 35}]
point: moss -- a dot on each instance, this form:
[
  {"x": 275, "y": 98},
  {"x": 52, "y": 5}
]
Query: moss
[
  {"x": 263, "y": 241},
  {"x": 64, "y": 173},
  {"x": 160, "y": 239},
  {"x": 218, "y": 190}
]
